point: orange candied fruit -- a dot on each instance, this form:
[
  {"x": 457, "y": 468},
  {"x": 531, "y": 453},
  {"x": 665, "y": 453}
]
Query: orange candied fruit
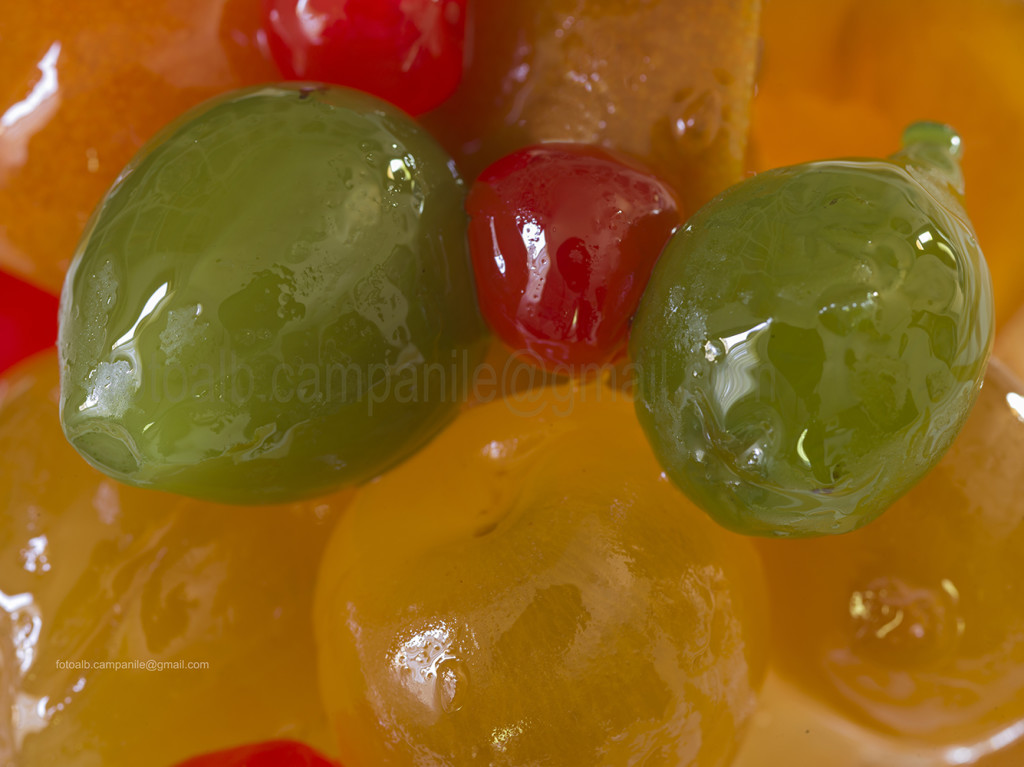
[
  {"x": 83, "y": 86},
  {"x": 840, "y": 78},
  {"x": 552, "y": 70}
]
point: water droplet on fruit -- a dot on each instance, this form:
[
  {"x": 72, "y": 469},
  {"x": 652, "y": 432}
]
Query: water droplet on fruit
[{"x": 713, "y": 350}]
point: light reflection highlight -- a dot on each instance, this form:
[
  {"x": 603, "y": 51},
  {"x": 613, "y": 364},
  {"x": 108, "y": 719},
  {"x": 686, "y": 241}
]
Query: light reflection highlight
[
  {"x": 41, "y": 91},
  {"x": 1016, "y": 403},
  {"x": 150, "y": 306}
]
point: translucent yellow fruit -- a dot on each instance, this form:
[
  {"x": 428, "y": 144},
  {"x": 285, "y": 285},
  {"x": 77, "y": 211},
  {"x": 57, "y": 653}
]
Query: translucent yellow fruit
[
  {"x": 913, "y": 624},
  {"x": 92, "y": 572},
  {"x": 531, "y": 590}
]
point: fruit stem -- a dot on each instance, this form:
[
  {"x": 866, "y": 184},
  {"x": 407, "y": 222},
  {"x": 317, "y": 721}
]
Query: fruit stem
[{"x": 934, "y": 149}]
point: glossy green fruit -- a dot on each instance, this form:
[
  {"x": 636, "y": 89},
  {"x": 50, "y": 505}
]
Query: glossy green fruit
[
  {"x": 275, "y": 299},
  {"x": 812, "y": 340}
]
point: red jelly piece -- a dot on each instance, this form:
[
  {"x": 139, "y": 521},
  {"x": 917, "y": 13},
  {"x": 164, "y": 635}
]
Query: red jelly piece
[
  {"x": 278, "y": 753},
  {"x": 406, "y": 51},
  {"x": 563, "y": 238},
  {"x": 28, "y": 320}
]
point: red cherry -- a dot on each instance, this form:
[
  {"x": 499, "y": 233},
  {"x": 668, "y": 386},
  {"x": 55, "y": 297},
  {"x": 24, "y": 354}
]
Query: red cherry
[
  {"x": 563, "y": 238},
  {"x": 278, "y": 753},
  {"x": 406, "y": 51},
  {"x": 28, "y": 320}
]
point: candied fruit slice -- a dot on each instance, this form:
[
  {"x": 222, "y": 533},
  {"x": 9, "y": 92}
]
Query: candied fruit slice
[
  {"x": 812, "y": 340},
  {"x": 667, "y": 82},
  {"x": 554, "y": 604},
  {"x": 82, "y": 86},
  {"x": 92, "y": 571},
  {"x": 913, "y": 625},
  {"x": 275, "y": 300}
]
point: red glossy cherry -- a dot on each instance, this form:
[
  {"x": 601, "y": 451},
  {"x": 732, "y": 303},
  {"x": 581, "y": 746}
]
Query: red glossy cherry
[
  {"x": 278, "y": 753},
  {"x": 28, "y": 320},
  {"x": 563, "y": 238},
  {"x": 406, "y": 51}
]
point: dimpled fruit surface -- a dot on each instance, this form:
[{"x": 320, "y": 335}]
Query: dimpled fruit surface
[
  {"x": 812, "y": 340},
  {"x": 913, "y": 625},
  {"x": 274, "y": 300},
  {"x": 93, "y": 572},
  {"x": 556, "y": 604}
]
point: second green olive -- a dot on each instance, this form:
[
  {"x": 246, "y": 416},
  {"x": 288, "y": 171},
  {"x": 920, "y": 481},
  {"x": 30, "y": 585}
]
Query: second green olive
[{"x": 813, "y": 339}]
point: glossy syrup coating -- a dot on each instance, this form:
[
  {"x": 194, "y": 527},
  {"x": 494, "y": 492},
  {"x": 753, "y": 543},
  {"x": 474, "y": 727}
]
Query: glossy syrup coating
[
  {"x": 563, "y": 238},
  {"x": 279, "y": 753},
  {"x": 409, "y": 52},
  {"x": 547, "y": 603},
  {"x": 91, "y": 570},
  {"x": 276, "y": 299},
  {"x": 667, "y": 82},
  {"x": 913, "y": 625},
  {"x": 812, "y": 340},
  {"x": 83, "y": 85}
]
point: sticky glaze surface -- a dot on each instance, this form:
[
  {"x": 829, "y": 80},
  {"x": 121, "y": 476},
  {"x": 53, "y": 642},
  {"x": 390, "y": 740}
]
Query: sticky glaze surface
[{"x": 274, "y": 300}]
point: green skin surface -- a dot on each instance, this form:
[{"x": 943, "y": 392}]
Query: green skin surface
[
  {"x": 274, "y": 300},
  {"x": 813, "y": 339}
]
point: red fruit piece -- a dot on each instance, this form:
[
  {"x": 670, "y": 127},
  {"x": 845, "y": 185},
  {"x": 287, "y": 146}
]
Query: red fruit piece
[
  {"x": 563, "y": 238},
  {"x": 406, "y": 51},
  {"x": 28, "y": 320},
  {"x": 277, "y": 753}
]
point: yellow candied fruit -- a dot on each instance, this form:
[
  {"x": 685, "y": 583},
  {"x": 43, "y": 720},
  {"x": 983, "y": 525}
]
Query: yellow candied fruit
[
  {"x": 511, "y": 596},
  {"x": 93, "y": 572},
  {"x": 913, "y": 624}
]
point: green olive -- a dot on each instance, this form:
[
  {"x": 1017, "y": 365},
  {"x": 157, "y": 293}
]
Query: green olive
[
  {"x": 274, "y": 300},
  {"x": 812, "y": 340}
]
